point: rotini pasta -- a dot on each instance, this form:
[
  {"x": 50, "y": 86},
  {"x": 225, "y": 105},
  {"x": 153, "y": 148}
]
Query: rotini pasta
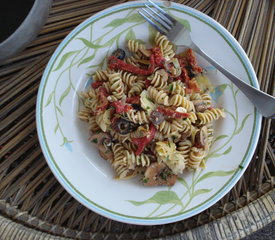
[
  {"x": 119, "y": 164},
  {"x": 136, "y": 88},
  {"x": 159, "y": 97},
  {"x": 177, "y": 88},
  {"x": 139, "y": 117},
  {"x": 195, "y": 157},
  {"x": 128, "y": 79},
  {"x": 133, "y": 161},
  {"x": 159, "y": 79},
  {"x": 210, "y": 115},
  {"x": 180, "y": 101},
  {"x": 117, "y": 86},
  {"x": 184, "y": 148},
  {"x": 100, "y": 75},
  {"x": 134, "y": 46},
  {"x": 166, "y": 47},
  {"x": 147, "y": 113}
]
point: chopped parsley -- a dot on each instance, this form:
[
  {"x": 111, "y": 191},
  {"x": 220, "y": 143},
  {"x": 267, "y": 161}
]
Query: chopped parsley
[
  {"x": 145, "y": 180},
  {"x": 148, "y": 108},
  {"x": 240, "y": 166},
  {"x": 149, "y": 99},
  {"x": 170, "y": 87},
  {"x": 95, "y": 141},
  {"x": 165, "y": 174}
]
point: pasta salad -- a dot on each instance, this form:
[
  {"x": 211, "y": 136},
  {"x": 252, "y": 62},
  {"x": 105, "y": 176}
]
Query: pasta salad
[{"x": 148, "y": 115}]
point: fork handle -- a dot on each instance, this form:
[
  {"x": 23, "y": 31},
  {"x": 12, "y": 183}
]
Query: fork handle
[{"x": 264, "y": 102}]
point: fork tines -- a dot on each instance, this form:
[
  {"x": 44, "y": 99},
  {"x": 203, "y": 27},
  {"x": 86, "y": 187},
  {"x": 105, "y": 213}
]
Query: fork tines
[{"x": 160, "y": 20}]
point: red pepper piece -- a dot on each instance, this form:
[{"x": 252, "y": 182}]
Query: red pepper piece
[
  {"x": 159, "y": 59},
  {"x": 182, "y": 62},
  {"x": 184, "y": 74},
  {"x": 192, "y": 61},
  {"x": 115, "y": 63},
  {"x": 147, "y": 83},
  {"x": 121, "y": 107},
  {"x": 133, "y": 100},
  {"x": 172, "y": 113},
  {"x": 103, "y": 98},
  {"x": 143, "y": 141},
  {"x": 97, "y": 84},
  {"x": 103, "y": 92},
  {"x": 193, "y": 86}
]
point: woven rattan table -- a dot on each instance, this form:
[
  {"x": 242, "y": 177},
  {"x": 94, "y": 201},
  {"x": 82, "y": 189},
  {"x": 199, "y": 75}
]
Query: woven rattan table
[{"x": 33, "y": 205}]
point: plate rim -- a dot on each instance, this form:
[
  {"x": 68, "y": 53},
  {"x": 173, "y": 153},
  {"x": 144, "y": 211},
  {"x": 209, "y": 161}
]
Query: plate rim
[{"x": 240, "y": 53}]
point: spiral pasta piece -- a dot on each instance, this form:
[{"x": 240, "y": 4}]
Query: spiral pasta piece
[
  {"x": 133, "y": 161},
  {"x": 195, "y": 157},
  {"x": 139, "y": 117},
  {"x": 121, "y": 138},
  {"x": 107, "y": 86},
  {"x": 210, "y": 133},
  {"x": 128, "y": 145},
  {"x": 118, "y": 151},
  {"x": 84, "y": 114},
  {"x": 128, "y": 79},
  {"x": 177, "y": 88},
  {"x": 117, "y": 86},
  {"x": 158, "y": 81},
  {"x": 93, "y": 126},
  {"x": 181, "y": 126},
  {"x": 137, "y": 88},
  {"x": 133, "y": 59},
  {"x": 210, "y": 115},
  {"x": 166, "y": 47},
  {"x": 100, "y": 75},
  {"x": 91, "y": 103},
  {"x": 206, "y": 99},
  {"x": 91, "y": 93},
  {"x": 141, "y": 131},
  {"x": 165, "y": 127},
  {"x": 119, "y": 164},
  {"x": 192, "y": 117},
  {"x": 184, "y": 148},
  {"x": 159, "y": 136},
  {"x": 178, "y": 100},
  {"x": 134, "y": 46},
  {"x": 160, "y": 97},
  {"x": 195, "y": 96}
]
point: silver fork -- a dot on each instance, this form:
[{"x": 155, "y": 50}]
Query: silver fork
[{"x": 179, "y": 35}]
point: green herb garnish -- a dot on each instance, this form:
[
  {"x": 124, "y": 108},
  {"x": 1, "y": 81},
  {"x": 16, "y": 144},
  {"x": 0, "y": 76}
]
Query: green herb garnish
[
  {"x": 145, "y": 180},
  {"x": 149, "y": 100},
  {"x": 170, "y": 87},
  {"x": 165, "y": 174},
  {"x": 95, "y": 140}
]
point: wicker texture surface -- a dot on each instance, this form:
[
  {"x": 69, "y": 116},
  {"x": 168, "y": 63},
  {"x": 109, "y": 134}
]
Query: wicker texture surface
[{"x": 31, "y": 196}]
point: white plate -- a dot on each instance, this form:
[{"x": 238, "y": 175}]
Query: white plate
[{"x": 78, "y": 166}]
